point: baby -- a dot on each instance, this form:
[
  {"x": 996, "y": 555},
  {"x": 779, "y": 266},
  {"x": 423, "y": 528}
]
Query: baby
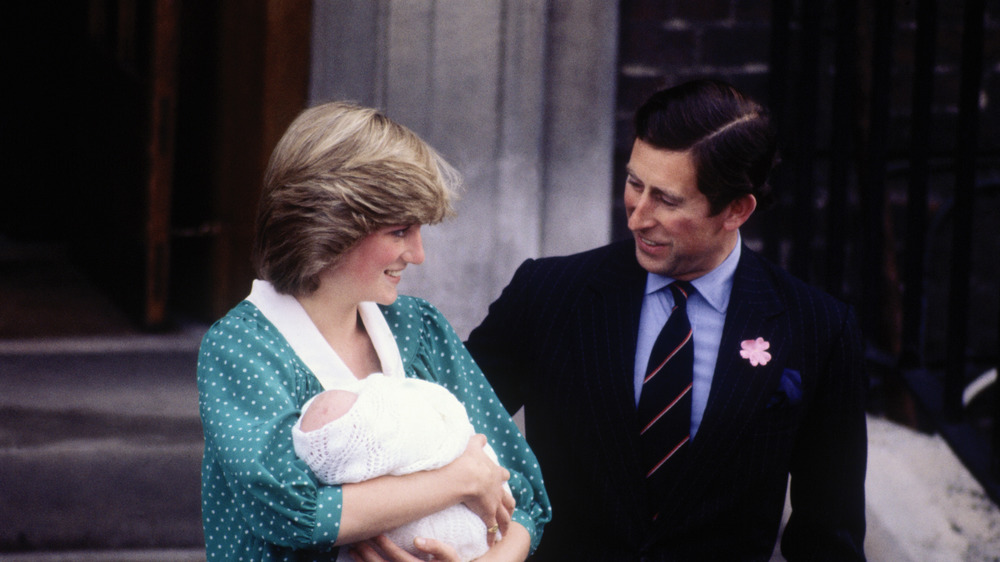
[{"x": 388, "y": 425}]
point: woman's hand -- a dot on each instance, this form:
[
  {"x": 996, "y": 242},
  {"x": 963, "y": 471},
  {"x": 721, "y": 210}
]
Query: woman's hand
[
  {"x": 378, "y": 505},
  {"x": 485, "y": 494},
  {"x": 381, "y": 549}
]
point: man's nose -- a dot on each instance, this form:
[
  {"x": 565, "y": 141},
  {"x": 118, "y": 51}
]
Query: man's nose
[{"x": 640, "y": 216}]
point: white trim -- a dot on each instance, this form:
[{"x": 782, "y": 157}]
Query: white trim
[
  {"x": 980, "y": 384},
  {"x": 382, "y": 339},
  {"x": 288, "y": 316}
]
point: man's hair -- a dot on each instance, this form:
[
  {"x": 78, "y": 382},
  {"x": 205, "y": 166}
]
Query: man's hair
[
  {"x": 339, "y": 173},
  {"x": 729, "y": 136}
]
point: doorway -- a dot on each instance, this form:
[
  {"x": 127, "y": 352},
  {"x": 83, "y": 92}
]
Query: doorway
[{"x": 139, "y": 131}]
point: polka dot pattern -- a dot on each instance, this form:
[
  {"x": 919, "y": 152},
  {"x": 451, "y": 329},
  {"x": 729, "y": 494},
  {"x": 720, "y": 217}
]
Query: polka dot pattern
[{"x": 259, "y": 501}]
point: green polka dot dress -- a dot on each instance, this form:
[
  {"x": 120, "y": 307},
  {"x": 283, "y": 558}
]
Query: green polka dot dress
[{"x": 259, "y": 501}]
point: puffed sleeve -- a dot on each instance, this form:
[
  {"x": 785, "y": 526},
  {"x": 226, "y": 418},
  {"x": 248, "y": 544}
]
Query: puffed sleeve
[
  {"x": 251, "y": 388},
  {"x": 431, "y": 350}
]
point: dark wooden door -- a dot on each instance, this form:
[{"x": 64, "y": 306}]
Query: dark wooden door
[
  {"x": 141, "y": 129},
  {"x": 124, "y": 140}
]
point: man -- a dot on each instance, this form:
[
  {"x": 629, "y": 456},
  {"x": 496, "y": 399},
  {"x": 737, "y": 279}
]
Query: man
[{"x": 775, "y": 384}]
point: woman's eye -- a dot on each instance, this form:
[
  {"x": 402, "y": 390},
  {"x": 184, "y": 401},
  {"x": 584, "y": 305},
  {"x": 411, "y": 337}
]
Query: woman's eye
[{"x": 400, "y": 233}]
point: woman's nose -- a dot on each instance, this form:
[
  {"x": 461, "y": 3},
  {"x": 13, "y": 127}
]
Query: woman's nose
[{"x": 415, "y": 250}]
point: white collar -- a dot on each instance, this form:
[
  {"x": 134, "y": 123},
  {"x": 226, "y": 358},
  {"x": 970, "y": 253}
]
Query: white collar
[
  {"x": 291, "y": 320},
  {"x": 715, "y": 286}
]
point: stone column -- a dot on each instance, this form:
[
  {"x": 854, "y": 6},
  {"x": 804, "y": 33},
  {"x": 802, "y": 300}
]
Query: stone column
[{"x": 517, "y": 94}]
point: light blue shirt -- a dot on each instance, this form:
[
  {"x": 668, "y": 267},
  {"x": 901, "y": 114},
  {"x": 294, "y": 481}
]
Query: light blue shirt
[{"x": 707, "y": 314}]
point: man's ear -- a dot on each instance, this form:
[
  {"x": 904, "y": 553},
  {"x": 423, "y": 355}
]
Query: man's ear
[{"x": 739, "y": 210}]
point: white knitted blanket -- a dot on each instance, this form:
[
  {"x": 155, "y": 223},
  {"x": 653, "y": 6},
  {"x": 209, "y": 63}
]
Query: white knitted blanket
[{"x": 398, "y": 426}]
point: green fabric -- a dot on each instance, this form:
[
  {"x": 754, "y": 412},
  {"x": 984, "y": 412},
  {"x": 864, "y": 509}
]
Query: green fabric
[{"x": 259, "y": 501}]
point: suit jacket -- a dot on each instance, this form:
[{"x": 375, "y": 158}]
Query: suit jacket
[{"x": 561, "y": 339}]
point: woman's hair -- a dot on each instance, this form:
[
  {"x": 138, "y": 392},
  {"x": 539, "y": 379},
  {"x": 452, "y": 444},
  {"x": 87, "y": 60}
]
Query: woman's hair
[
  {"x": 730, "y": 137},
  {"x": 339, "y": 173}
]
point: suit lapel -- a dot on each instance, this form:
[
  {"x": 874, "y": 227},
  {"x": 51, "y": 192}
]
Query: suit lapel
[{"x": 739, "y": 390}]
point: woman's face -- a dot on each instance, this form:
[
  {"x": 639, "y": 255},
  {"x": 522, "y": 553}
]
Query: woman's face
[{"x": 371, "y": 269}]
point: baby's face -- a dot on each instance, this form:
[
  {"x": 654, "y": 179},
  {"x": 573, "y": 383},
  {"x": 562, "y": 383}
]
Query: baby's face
[{"x": 328, "y": 406}]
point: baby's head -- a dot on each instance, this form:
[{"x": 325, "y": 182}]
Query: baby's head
[{"x": 326, "y": 407}]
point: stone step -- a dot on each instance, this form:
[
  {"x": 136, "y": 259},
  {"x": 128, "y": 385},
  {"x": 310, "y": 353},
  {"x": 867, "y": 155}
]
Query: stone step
[
  {"x": 100, "y": 493},
  {"x": 100, "y": 450}
]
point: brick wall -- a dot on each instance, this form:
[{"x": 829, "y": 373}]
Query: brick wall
[
  {"x": 668, "y": 42},
  {"x": 663, "y": 43}
]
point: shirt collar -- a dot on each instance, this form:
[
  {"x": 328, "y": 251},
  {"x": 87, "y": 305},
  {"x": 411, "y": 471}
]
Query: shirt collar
[
  {"x": 288, "y": 316},
  {"x": 715, "y": 286}
]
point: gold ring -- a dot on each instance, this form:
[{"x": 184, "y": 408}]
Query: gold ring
[{"x": 493, "y": 529}]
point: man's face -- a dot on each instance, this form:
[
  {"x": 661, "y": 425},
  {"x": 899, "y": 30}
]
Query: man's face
[{"x": 675, "y": 235}]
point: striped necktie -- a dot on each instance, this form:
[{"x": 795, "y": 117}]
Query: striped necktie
[{"x": 665, "y": 402}]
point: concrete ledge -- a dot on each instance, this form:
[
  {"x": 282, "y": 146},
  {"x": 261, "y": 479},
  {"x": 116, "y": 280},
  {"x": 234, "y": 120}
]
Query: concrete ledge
[
  {"x": 105, "y": 494},
  {"x": 923, "y": 504},
  {"x": 100, "y": 449}
]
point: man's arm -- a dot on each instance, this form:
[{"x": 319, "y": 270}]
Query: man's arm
[
  {"x": 494, "y": 343},
  {"x": 828, "y": 469}
]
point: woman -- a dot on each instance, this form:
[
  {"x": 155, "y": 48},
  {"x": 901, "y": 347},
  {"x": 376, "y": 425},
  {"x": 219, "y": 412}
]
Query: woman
[{"x": 344, "y": 196}]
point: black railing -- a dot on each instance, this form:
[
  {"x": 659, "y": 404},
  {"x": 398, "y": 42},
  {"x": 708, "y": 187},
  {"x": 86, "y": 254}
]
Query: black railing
[{"x": 893, "y": 176}]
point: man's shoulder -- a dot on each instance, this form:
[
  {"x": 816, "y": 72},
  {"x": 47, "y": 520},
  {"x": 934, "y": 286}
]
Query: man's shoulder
[
  {"x": 617, "y": 255},
  {"x": 556, "y": 281},
  {"x": 788, "y": 286}
]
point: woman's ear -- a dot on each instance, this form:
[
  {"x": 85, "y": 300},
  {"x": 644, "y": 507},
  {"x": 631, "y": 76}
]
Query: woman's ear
[{"x": 739, "y": 210}]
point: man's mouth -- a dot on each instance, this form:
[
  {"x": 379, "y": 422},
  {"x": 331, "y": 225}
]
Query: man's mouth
[{"x": 648, "y": 242}]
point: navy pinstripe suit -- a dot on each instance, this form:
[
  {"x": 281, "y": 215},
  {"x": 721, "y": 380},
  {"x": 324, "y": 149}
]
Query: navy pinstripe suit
[{"x": 561, "y": 341}]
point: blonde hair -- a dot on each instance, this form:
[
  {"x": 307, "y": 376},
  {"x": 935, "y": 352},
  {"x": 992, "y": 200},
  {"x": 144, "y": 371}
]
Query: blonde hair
[{"x": 339, "y": 173}]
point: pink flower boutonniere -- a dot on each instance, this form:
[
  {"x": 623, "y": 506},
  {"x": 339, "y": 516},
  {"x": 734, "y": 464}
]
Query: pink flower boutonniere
[{"x": 756, "y": 351}]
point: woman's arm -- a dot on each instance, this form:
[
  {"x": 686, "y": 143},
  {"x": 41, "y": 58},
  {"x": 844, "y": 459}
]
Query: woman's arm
[
  {"x": 258, "y": 493},
  {"x": 378, "y": 505}
]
